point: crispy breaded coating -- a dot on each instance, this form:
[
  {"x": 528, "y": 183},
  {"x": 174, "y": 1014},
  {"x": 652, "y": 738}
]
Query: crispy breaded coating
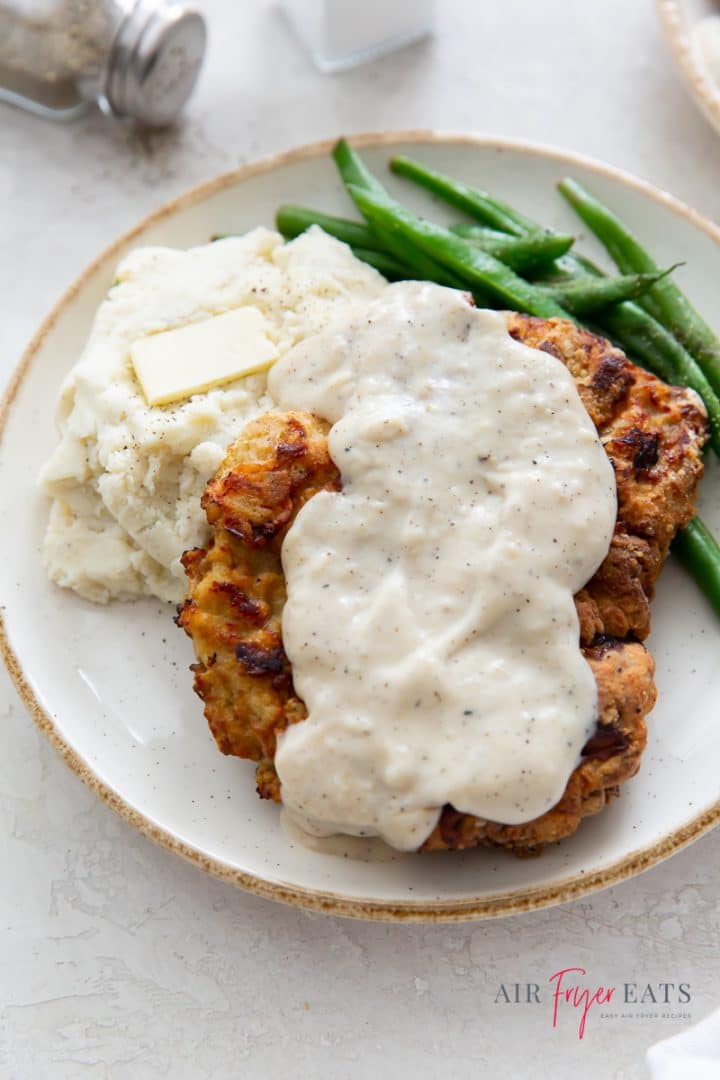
[
  {"x": 237, "y": 587},
  {"x": 653, "y": 435}
]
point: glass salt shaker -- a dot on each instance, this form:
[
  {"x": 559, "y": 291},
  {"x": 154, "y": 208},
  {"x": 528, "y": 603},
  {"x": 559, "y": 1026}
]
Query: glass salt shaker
[
  {"x": 339, "y": 34},
  {"x": 135, "y": 58}
]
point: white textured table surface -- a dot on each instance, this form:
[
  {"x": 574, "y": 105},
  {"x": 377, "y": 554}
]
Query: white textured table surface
[{"x": 117, "y": 959}]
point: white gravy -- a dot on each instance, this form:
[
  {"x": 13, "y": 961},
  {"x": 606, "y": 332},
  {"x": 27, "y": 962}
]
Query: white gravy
[
  {"x": 430, "y": 620},
  {"x": 340, "y": 845}
]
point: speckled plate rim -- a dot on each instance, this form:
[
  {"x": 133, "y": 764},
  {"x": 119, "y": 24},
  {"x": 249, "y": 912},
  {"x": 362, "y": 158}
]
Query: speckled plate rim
[
  {"x": 494, "y": 905},
  {"x": 704, "y": 89}
]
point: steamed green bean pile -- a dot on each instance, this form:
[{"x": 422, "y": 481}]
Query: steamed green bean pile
[{"x": 508, "y": 261}]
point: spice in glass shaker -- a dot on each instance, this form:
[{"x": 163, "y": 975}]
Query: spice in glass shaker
[{"x": 138, "y": 59}]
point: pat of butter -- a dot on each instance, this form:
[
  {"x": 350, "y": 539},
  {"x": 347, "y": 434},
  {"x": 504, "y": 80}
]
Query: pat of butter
[{"x": 176, "y": 364}]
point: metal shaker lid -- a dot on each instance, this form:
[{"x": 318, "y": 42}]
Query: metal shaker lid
[{"x": 155, "y": 61}]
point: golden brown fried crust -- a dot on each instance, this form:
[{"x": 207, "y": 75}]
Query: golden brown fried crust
[
  {"x": 626, "y": 694},
  {"x": 237, "y": 587},
  {"x": 653, "y": 435}
]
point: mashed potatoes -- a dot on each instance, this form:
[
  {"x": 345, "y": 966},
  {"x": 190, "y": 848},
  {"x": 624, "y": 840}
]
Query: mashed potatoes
[{"x": 126, "y": 479}]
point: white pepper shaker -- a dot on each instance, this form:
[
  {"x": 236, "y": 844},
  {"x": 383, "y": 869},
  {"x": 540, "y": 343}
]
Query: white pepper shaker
[
  {"x": 339, "y": 34},
  {"x": 136, "y": 58}
]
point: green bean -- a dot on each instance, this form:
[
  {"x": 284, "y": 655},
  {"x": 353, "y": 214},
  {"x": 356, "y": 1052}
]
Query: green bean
[
  {"x": 699, "y": 552},
  {"x": 477, "y": 267},
  {"x": 520, "y": 253},
  {"x": 355, "y": 173},
  {"x": 353, "y": 169},
  {"x": 291, "y": 221},
  {"x": 589, "y": 293},
  {"x": 476, "y": 203},
  {"x": 471, "y": 231},
  {"x": 665, "y": 301}
]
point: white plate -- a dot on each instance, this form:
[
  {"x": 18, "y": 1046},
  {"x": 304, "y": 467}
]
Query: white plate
[
  {"x": 678, "y": 19},
  {"x": 110, "y": 686}
]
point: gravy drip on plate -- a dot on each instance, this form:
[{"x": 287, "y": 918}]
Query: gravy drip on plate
[{"x": 430, "y": 618}]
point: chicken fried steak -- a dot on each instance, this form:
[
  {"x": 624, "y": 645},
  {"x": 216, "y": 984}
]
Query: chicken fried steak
[{"x": 653, "y": 435}]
